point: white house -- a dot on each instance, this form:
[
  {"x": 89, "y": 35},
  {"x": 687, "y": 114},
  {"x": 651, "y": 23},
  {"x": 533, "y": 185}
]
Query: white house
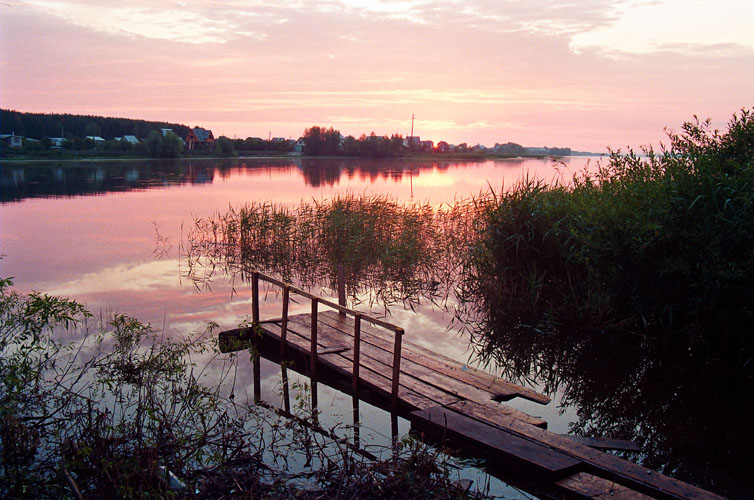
[{"x": 13, "y": 140}]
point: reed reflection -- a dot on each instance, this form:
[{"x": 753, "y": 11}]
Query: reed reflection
[
  {"x": 655, "y": 392},
  {"x": 391, "y": 253}
]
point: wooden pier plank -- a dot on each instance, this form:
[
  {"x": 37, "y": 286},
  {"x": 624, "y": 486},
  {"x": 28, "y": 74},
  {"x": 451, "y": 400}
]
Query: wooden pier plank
[
  {"x": 373, "y": 376},
  {"x": 422, "y": 380},
  {"x": 605, "y": 444},
  {"x": 513, "y": 448},
  {"x": 415, "y": 353},
  {"x": 612, "y": 467},
  {"x": 586, "y": 485}
]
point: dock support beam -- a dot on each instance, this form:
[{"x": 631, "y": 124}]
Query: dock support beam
[
  {"x": 356, "y": 352},
  {"x": 313, "y": 353},
  {"x": 396, "y": 366}
]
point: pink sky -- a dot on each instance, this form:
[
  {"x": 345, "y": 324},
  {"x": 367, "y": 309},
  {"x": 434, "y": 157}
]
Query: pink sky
[{"x": 587, "y": 74}]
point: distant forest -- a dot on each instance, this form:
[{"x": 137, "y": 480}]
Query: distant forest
[{"x": 39, "y": 125}]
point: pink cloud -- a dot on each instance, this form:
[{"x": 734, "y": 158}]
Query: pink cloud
[{"x": 482, "y": 71}]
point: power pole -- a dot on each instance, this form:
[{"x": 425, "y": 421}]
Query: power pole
[{"x": 412, "y": 124}]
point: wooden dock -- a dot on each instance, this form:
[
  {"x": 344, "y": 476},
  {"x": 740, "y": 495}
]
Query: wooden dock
[{"x": 444, "y": 399}]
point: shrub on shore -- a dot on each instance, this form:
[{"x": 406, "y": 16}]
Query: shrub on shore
[
  {"x": 658, "y": 245},
  {"x": 123, "y": 413}
]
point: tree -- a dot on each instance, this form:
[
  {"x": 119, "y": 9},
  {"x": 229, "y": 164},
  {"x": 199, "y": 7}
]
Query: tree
[
  {"x": 320, "y": 141},
  {"x": 224, "y": 147},
  {"x": 167, "y": 146},
  {"x": 92, "y": 129}
]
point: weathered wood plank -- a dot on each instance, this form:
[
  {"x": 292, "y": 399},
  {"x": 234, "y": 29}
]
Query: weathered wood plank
[
  {"x": 501, "y": 444},
  {"x": 611, "y": 467},
  {"x": 378, "y": 361},
  {"x": 605, "y": 444},
  {"x": 589, "y": 486},
  {"x": 373, "y": 378},
  {"x": 437, "y": 362},
  {"x": 495, "y": 413},
  {"x": 417, "y": 377}
]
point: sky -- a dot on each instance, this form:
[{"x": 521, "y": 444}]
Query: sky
[{"x": 585, "y": 74}]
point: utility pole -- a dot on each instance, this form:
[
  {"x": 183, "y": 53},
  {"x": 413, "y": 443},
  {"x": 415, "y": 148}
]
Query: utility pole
[{"x": 412, "y": 124}]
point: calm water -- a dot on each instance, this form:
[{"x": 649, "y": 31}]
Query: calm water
[{"x": 109, "y": 234}]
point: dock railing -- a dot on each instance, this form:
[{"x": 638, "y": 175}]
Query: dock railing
[{"x": 287, "y": 289}]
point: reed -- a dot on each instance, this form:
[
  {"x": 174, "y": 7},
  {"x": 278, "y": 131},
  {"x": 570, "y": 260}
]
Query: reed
[
  {"x": 391, "y": 252},
  {"x": 656, "y": 246}
]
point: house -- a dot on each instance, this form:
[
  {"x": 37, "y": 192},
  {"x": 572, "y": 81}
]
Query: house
[
  {"x": 131, "y": 139},
  {"x": 412, "y": 141},
  {"x": 200, "y": 138},
  {"x": 299, "y": 146},
  {"x": 56, "y": 142},
  {"x": 98, "y": 141},
  {"x": 426, "y": 145},
  {"x": 12, "y": 140},
  {"x": 165, "y": 131}
]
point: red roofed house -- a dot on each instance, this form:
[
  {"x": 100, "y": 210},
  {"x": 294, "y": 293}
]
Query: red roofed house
[{"x": 200, "y": 138}]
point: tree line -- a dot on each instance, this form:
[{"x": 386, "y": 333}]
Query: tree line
[{"x": 41, "y": 125}]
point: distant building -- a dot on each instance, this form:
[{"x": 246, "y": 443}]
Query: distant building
[
  {"x": 425, "y": 145},
  {"x": 56, "y": 142},
  {"x": 12, "y": 140},
  {"x": 131, "y": 139},
  {"x": 412, "y": 141},
  {"x": 165, "y": 131},
  {"x": 200, "y": 138},
  {"x": 98, "y": 141}
]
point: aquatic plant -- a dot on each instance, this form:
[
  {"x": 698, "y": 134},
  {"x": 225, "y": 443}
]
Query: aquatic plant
[
  {"x": 391, "y": 252},
  {"x": 657, "y": 246},
  {"x": 117, "y": 411}
]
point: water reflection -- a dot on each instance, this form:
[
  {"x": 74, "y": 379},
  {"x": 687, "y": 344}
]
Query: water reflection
[
  {"x": 391, "y": 253},
  {"x": 685, "y": 417},
  {"x": 21, "y": 181}
]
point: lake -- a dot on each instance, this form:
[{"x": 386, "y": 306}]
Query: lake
[{"x": 112, "y": 235}]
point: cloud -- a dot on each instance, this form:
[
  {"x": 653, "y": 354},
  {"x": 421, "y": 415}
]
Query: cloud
[
  {"x": 685, "y": 26},
  {"x": 174, "y": 23}
]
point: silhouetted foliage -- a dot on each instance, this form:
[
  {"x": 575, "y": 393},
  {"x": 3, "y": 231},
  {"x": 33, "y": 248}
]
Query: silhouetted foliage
[
  {"x": 224, "y": 147},
  {"x": 163, "y": 146},
  {"x": 38, "y": 125},
  {"x": 319, "y": 141}
]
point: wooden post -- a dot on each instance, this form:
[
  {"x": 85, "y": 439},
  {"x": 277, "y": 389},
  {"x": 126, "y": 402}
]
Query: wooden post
[
  {"x": 284, "y": 321},
  {"x": 313, "y": 354},
  {"x": 356, "y": 352},
  {"x": 255, "y": 298},
  {"x": 286, "y": 390},
  {"x": 356, "y": 425},
  {"x": 342, "y": 287},
  {"x": 396, "y": 366},
  {"x": 257, "y": 377}
]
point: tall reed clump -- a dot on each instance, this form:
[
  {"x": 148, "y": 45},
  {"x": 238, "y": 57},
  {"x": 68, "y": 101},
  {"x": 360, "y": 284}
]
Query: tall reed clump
[
  {"x": 391, "y": 252},
  {"x": 659, "y": 245}
]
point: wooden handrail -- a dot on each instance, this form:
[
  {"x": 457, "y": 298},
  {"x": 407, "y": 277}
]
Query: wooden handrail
[
  {"x": 316, "y": 300},
  {"x": 328, "y": 303}
]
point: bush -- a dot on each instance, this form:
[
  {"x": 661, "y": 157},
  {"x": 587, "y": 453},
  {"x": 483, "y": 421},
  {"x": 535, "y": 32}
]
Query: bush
[
  {"x": 224, "y": 147},
  {"x": 167, "y": 146},
  {"x": 660, "y": 245}
]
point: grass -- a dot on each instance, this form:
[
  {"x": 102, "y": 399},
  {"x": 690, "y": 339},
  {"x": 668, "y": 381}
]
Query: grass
[{"x": 391, "y": 253}]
